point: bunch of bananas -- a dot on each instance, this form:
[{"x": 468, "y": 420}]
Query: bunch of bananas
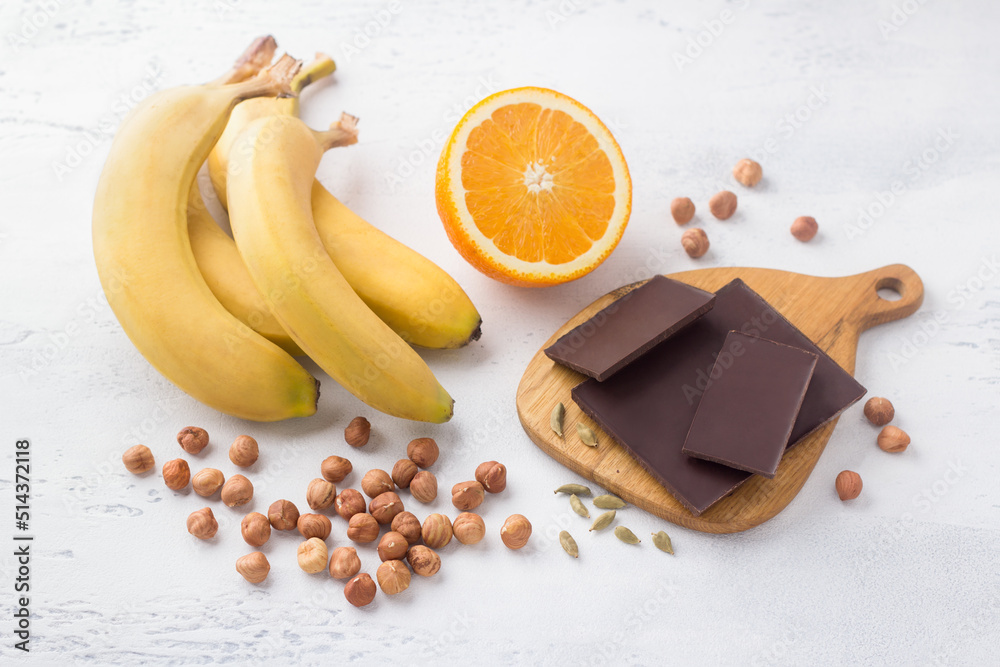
[{"x": 222, "y": 318}]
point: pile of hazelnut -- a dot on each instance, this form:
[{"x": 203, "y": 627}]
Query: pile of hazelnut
[
  {"x": 892, "y": 439},
  {"x": 722, "y": 205},
  {"x": 399, "y": 549}
]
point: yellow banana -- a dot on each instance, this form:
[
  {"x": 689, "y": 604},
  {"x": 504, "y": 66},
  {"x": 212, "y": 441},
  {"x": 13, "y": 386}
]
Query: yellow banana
[
  {"x": 222, "y": 268},
  {"x": 148, "y": 270},
  {"x": 215, "y": 252},
  {"x": 272, "y": 166},
  {"x": 415, "y": 297}
]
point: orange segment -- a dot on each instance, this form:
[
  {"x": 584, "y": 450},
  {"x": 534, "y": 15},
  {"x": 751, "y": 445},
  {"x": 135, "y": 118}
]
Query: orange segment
[{"x": 532, "y": 188}]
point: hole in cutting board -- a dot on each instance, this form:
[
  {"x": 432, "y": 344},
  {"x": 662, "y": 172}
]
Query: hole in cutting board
[{"x": 890, "y": 289}]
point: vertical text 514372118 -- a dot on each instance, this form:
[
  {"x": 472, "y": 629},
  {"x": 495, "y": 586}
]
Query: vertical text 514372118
[{"x": 22, "y": 543}]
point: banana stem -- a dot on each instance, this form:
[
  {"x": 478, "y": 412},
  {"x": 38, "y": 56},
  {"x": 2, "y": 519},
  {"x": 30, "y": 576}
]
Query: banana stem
[
  {"x": 256, "y": 57},
  {"x": 320, "y": 67},
  {"x": 274, "y": 81},
  {"x": 342, "y": 133}
]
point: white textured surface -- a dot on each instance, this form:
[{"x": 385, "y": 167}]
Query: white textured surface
[{"x": 906, "y": 575}]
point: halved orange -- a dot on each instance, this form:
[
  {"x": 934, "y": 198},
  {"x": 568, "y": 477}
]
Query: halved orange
[{"x": 532, "y": 188}]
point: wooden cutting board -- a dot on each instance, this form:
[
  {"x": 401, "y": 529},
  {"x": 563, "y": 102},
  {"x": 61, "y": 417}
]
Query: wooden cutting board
[{"x": 831, "y": 311}]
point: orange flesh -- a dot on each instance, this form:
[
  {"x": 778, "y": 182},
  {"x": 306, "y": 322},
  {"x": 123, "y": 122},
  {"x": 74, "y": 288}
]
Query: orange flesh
[{"x": 571, "y": 198}]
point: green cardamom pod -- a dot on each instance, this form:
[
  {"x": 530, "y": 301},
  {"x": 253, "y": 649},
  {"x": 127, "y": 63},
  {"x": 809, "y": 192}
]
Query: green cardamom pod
[
  {"x": 626, "y": 535},
  {"x": 609, "y": 502},
  {"x": 586, "y": 435},
  {"x": 556, "y": 418},
  {"x": 603, "y": 521},
  {"x": 577, "y": 489},
  {"x": 569, "y": 544},
  {"x": 578, "y": 506},
  {"x": 662, "y": 542}
]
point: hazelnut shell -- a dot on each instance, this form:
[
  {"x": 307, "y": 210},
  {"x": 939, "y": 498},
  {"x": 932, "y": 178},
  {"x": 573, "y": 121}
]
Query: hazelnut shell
[
  {"x": 335, "y": 469},
  {"x": 360, "y": 590},
  {"x": 357, "y": 432},
  {"x": 256, "y": 529},
  {"x": 344, "y": 563},
  {"x": 237, "y": 491},
  {"x": 722, "y": 204},
  {"x": 176, "y": 474},
  {"x": 348, "y": 503},
  {"x": 376, "y": 482},
  {"x": 138, "y": 459},
  {"x": 423, "y": 451},
  {"x": 468, "y": 528},
  {"x": 314, "y": 525},
  {"x": 848, "y": 485},
  {"x": 254, "y": 567},
  {"x": 283, "y": 515},
  {"x": 424, "y": 486},
  {"x": 244, "y": 451},
  {"x": 202, "y": 524},
  {"x": 393, "y": 577},
  {"x": 192, "y": 439},
  {"x": 362, "y": 528},
  {"x": 515, "y": 531}
]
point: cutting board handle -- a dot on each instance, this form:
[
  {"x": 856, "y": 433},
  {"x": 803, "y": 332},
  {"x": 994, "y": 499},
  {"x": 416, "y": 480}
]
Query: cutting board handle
[{"x": 871, "y": 309}]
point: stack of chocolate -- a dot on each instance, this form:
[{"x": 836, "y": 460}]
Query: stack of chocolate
[{"x": 704, "y": 390}]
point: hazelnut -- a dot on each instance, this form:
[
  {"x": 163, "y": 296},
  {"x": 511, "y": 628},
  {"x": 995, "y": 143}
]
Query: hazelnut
[
  {"x": 320, "y": 494},
  {"x": 362, "y": 528},
  {"x": 314, "y": 525},
  {"x": 357, "y": 432},
  {"x": 695, "y": 242},
  {"x": 722, "y": 205},
  {"x": 392, "y": 546},
  {"x": 403, "y": 472},
  {"x": 423, "y": 560},
  {"x": 393, "y": 577},
  {"x": 376, "y": 482},
  {"x": 138, "y": 459},
  {"x": 237, "y": 491},
  {"x": 207, "y": 481},
  {"x": 423, "y": 451},
  {"x": 335, "y": 468},
  {"x": 244, "y": 451},
  {"x": 385, "y": 506},
  {"x": 312, "y": 555},
  {"x": 349, "y": 503},
  {"x": 436, "y": 531},
  {"x": 682, "y": 209},
  {"x": 848, "y": 485},
  {"x": 879, "y": 411},
  {"x": 202, "y": 524},
  {"x": 407, "y": 525},
  {"x": 176, "y": 474},
  {"x": 515, "y": 531},
  {"x": 467, "y": 495},
  {"x": 254, "y": 567},
  {"x": 192, "y": 439},
  {"x": 256, "y": 529},
  {"x": 804, "y": 228},
  {"x": 360, "y": 590},
  {"x": 344, "y": 563},
  {"x": 468, "y": 528},
  {"x": 283, "y": 515},
  {"x": 893, "y": 440},
  {"x": 492, "y": 475},
  {"x": 748, "y": 172},
  {"x": 424, "y": 486}
]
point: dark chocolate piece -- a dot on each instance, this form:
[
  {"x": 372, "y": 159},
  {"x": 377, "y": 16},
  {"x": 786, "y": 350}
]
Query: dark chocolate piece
[
  {"x": 648, "y": 406},
  {"x": 630, "y": 327},
  {"x": 748, "y": 410}
]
